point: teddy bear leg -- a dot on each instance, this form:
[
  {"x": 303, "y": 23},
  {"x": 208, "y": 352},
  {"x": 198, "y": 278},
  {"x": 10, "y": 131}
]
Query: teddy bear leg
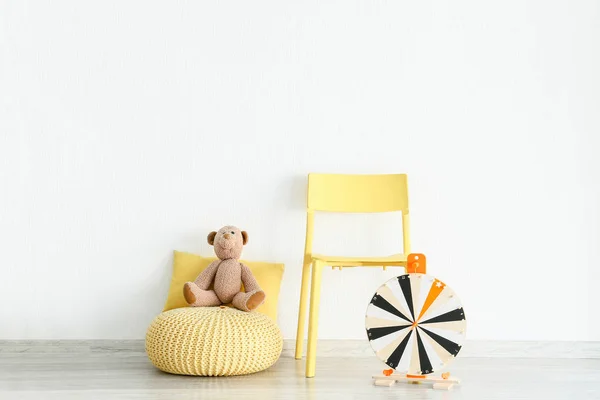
[
  {"x": 248, "y": 301},
  {"x": 197, "y": 297}
]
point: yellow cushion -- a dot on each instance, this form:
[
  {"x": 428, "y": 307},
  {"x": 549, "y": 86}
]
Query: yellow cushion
[
  {"x": 187, "y": 266},
  {"x": 213, "y": 341}
]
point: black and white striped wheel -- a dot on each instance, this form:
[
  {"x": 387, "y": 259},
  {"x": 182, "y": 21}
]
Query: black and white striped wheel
[{"x": 415, "y": 324}]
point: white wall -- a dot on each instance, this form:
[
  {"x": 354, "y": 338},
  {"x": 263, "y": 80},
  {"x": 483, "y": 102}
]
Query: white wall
[{"x": 129, "y": 129}]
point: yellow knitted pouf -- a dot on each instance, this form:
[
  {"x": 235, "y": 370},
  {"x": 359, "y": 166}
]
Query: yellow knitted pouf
[{"x": 213, "y": 341}]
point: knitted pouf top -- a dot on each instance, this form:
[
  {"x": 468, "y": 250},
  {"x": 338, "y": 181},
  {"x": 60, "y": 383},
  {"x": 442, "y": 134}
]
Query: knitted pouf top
[{"x": 213, "y": 341}]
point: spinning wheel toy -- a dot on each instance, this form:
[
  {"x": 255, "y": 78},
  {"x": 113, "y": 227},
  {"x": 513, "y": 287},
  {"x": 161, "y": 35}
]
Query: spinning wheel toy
[{"x": 416, "y": 325}]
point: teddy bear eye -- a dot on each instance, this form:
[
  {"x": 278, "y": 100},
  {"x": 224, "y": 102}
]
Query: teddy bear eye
[{"x": 232, "y": 232}]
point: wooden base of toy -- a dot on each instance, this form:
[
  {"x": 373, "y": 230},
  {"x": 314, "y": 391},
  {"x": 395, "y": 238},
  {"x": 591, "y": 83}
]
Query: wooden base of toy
[{"x": 439, "y": 383}]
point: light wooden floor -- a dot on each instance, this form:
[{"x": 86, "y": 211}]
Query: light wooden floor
[{"x": 129, "y": 375}]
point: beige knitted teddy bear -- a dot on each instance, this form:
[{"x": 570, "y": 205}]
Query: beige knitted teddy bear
[{"x": 226, "y": 275}]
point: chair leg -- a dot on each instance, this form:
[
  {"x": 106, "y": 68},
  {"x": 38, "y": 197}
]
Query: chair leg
[
  {"x": 302, "y": 310},
  {"x": 313, "y": 318}
]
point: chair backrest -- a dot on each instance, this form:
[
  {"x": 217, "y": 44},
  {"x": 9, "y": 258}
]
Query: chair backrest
[{"x": 357, "y": 193}]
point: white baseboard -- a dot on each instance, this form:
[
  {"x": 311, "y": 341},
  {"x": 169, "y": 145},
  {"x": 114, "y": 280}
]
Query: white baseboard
[
  {"x": 325, "y": 348},
  {"x": 472, "y": 348}
]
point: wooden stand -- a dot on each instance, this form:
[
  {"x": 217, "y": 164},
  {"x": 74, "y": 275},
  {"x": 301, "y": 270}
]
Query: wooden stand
[{"x": 439, "y": 383}]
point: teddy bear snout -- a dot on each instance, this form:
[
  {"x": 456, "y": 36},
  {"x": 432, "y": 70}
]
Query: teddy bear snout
[
  {"x": 226, "y": 243},
  {"x": 226, "y": 236}
]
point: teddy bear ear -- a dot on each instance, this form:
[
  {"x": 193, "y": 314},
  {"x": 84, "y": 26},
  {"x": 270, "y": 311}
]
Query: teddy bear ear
[
  {"x": 211, "y": 237},
  {"x": 245, "y": 237}
]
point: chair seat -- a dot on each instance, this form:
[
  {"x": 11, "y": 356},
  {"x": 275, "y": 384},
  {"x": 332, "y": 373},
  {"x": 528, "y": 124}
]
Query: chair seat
[{"x": 396, "y": 259}]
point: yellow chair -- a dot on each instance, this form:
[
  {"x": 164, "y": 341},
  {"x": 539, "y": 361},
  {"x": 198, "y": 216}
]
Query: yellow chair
[{"x": 345, "y": 194}]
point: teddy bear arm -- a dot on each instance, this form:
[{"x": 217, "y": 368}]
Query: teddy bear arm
[
  {"x": 207, "y": 276},
  {"x": 250, "y": 283}
]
